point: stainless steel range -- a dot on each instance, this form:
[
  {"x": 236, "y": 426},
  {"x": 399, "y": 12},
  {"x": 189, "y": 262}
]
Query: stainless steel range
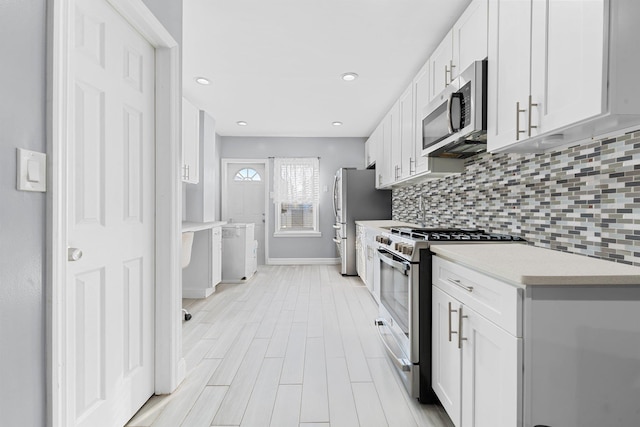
[{"x": 404, "y": 324}]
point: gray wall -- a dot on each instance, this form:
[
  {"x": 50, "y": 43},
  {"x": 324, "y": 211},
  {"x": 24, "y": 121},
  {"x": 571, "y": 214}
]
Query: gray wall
[
  {"x": 22, "y": 214},
  {"x": 334, "y": 153}
]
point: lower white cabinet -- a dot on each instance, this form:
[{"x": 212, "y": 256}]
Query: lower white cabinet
[
  {"x": 360, "y": 253},
  {"x": 216, "y": 255},
  {"x": 475, "y": 365},
  {"x": 513, "y": 355}
]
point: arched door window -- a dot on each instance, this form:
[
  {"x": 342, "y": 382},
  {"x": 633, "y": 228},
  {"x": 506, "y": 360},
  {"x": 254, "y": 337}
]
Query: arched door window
[{"x": 247, "y": 174}]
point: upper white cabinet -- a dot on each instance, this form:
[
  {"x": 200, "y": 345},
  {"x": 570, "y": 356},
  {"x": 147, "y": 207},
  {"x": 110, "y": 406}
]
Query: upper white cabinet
[
  {"x": 190, "y": 142},
  {"x": 465, "y": 43},
  {"x": 406, "y": 122},
  {"x": 440, "y": 64},
  {"x": 470, "y": 37},
  {"x": 389, "y": 161},
  {"x": 420, "y": 99},
  {"x": 560, "y": 71}
]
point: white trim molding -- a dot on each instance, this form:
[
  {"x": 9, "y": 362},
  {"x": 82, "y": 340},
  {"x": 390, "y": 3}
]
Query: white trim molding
[
  {"x": 169, "y": 363},
  {"x": 303, "y": 261}
]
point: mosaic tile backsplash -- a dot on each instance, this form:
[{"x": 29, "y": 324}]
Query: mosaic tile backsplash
[{"x": 584, "y": 199}]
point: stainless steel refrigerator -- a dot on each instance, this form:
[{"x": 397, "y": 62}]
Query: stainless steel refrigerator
[{"x": 355, "y": 198}]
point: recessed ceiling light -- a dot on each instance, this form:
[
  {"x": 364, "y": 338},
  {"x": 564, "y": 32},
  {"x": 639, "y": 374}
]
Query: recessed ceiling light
[
  {"x": 337, "y": 123},
  {"x": 203, "y": 81},
  {"x": 241, "y": 123},
  {"x": 349, "y": 77}
]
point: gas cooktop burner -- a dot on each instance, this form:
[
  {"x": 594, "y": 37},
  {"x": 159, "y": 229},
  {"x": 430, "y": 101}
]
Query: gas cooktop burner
[{"x": 452, "y": 234}]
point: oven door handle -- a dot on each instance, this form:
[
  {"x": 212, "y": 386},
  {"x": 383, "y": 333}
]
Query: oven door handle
[
  {"x": 386, "y": 258},
  {"x": 402, "y": 363}
]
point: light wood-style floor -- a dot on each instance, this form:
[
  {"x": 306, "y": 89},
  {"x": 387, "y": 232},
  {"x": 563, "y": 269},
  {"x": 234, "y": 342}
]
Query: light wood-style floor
[{"x": 294, "y": 346}]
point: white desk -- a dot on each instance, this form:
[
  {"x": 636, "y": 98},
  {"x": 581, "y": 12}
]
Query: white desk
[{"x": 202, "y": 275}]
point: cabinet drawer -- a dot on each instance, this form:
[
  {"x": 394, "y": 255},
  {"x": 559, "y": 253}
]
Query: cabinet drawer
[{"x": 497, "y": 301}]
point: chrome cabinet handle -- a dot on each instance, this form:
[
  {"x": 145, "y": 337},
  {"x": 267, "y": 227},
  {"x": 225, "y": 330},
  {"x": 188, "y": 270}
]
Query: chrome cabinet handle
[
  {"x": 518, "y": 111},
  {"x": 460, "y": 317},
  {"x": 531, "y": 104},
  {"x": 451, "y": 331},
  {"x": 74, "y": 254},
  {"x": 446, "y": 80},
  {"x": 412, "y": 162},
  {"x": 337, "y": 241},
  {"x": 402, "y": 363},
  {"x": 451, "y": 67},
  {"x": 460, "y": 284},
  {"x": 337, "y": 226}
]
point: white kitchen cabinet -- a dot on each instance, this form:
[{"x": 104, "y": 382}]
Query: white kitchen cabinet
[
  {"x": 361, "y": 252},
  {"x": 475, "y": 362},
  {"x": 372, "y": 147},
  {"x": 440, "y": 63},
  {"x": 446, "y": 360},
  {"x": 560, "y": 72},
  {"x": 388, "y": 163},
  {"x": 534, "y": 354},
  {"x": 469, "y": 37},
  {"x": 371, "y": 262},
  {"x": 216, "y": 255},
  {"x": 190, "y": 142},
  {"x": 406, "y": 146},
  {"x": 421, "y": 100},
  {"x": 465, "y": 43},
  {"x": 490, "y": 379}
]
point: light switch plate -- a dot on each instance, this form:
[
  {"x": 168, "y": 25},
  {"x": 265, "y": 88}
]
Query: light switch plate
[{"x": 31, "y": 170}]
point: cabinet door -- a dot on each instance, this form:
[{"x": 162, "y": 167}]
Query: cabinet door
[
  {"x": 470, "y": 37},
  {"x": 440, "y": 66},
  {"x": 491, "y": 374},
  {"x": 446, "y": 365},
  {"x": 407, "y": 138},
  {"x": 389, "y": 159},
  {"x": 508, "y": 71},
  {"x": 216, "y": 256},
  {"x": 190, "y": 142},
  {"x": 360, "y": 254},
  {"x": 421, "y": 100},
  {"x": 567, "y": 57}
]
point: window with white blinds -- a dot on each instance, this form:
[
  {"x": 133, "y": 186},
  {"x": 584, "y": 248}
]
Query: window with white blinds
[{"x": 296, "y": 188}]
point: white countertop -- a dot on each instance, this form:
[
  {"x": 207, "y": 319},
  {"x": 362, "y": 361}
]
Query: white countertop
[
  {"x": 385, "y": 224},
  {"x": 529, "y": 265},
  {"x": 198, "y": 226}
]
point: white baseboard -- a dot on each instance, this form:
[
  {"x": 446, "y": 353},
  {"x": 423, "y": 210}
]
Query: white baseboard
[{"x": 303, "y": 261}]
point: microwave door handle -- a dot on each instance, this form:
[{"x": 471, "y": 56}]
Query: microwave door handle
[{"x": 454, "y": 101}]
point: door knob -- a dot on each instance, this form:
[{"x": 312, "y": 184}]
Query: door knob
[{"x": 74, "y": 254}]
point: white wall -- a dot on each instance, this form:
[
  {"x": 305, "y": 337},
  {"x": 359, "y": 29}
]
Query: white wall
[
  {"x": 22, "y": 214},
  {"x": 334, "y": 153}
]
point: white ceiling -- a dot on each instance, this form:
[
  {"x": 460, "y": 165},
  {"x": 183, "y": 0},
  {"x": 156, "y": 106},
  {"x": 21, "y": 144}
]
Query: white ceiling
[{"x": 276, "y": 64}]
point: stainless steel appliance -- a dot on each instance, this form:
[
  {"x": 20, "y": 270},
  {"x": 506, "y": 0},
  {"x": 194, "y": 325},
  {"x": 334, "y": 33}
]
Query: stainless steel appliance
[
  {"x": 355, "y": 198},
  {"x": 455, "y": 124},
  {"x": 404, "y": 321}
]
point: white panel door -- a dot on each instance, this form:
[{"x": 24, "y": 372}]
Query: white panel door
[
  {"x": 491, "y": 374},
  {"x": 407, "y": 136},
  {"x": 245, "y": 199},
  {"x": 440, "y": 64},
  {"x": 568, "y": 39},
  {"x": 110, "y": 199},
  {"x": 508, "y": 71},
  {"x": 446, "y": 364},
  {"x": 421, "y": 100}
]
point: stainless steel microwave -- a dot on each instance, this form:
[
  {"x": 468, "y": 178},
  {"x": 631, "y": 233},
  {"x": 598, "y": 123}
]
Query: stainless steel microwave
[{"x": 454, "y": 125}]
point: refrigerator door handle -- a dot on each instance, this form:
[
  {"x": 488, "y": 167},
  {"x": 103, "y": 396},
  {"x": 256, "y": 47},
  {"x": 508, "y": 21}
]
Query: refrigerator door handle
[{"x": 335, "y": 195}]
